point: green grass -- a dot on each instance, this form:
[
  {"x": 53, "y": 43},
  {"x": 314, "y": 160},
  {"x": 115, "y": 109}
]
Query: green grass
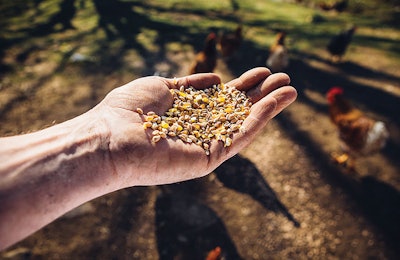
[{"x": 198, "y": 16}]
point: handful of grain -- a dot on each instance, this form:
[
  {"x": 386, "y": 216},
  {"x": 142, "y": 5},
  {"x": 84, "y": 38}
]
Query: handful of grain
[{"x": 197, "y": 116}]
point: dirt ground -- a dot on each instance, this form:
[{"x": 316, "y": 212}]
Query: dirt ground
[{"x": 280, "y": 198}]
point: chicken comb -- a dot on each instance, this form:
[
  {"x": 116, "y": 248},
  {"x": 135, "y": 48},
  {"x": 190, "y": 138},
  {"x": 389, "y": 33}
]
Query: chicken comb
[
  {"x": 211, "y": 35},
  {"x": 332, "y": 92}
]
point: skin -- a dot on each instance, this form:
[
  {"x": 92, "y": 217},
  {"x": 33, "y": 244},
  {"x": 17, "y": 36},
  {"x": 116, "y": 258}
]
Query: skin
[{"x": 47, "y": 173}]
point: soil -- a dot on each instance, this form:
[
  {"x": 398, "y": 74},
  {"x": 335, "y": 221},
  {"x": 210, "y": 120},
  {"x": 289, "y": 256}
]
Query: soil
[{"x": 281, "y": 198}]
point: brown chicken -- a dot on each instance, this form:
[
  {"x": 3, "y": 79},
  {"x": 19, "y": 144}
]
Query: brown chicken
[
  {"x": 338, "y": 44},
  {"x": 206, "y": 60},
  {"x": 360, "y": 135},
  {"x": 278, "y": 58},
  {"x": 229, "y": 43},
  {"x": 214, "y": 254}
]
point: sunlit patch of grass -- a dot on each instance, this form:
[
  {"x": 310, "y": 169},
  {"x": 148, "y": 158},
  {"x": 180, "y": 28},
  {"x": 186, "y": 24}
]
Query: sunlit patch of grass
[
  {"x": 192, "y": 5},
  {"x": 147, "y": 38},
  {"x": 86, "y": 18}
]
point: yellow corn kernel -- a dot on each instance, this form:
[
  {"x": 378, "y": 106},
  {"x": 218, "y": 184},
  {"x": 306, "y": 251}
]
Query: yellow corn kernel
[
  {"x": 196, "y": 133},
  {"x": 205, "y": 99},
  {"x": 179, "y": 128},
  {"x": 221, "y": 99},
  {"x": 196, "y": 126},
  {"x": 164, "y": 124},
  {"x": 147, "y": 125},
  {"x": 228, "y": 110},
  {"x": 182, "y": 94},
  {"x": 149, "y": 118}
]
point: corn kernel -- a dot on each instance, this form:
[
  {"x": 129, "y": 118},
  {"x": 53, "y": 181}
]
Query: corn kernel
[
  {"x": 147, "y": 125},
  {"x": 149, "y": 118},
  {"x": 164, "y": 124},
  {"x": 228, "y": 110},
  {"x": 196, "y": 126},
  {"x": 198, "y": 116}
]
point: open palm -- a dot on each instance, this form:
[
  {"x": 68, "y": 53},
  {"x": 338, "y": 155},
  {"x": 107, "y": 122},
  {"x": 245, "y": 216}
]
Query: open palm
[{"x": 137, "y": 161}]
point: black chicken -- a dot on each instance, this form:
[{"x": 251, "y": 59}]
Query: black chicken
[{"x": 338, "y": 44}]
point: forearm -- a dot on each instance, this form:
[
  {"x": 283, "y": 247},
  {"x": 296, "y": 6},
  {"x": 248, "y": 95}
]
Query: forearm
[{"x": 47, "y": 173}]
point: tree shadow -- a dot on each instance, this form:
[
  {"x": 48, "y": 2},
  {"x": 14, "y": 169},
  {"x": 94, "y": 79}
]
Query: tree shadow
[
  {"x": 126, "y": 207},
  {"x": 63, "y": 18},
  {"x": 241, "y": 175},
  {"x": 26, "y": 94},
  {"x": 188, "y": 229}
]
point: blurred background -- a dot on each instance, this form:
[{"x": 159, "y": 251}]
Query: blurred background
[{"x": 285, "y": 196}]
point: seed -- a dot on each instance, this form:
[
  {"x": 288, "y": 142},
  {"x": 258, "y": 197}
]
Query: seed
[
  {"x": 155, "y": 138},
  {"x": 228, "y": 141},
  {"x": 198, "y": 116},
  {"x": 139, "y": 111},
  {"x": 228, "y": 110},
  {"x": 164, "y": 124},
  {"x": 147, "y": 125},
  {"x": 149, "y": 118}
]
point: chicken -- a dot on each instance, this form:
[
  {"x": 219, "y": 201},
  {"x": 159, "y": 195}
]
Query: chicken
[
  {"x": 214, "y": 254},
  {"x": 278, "y": 58},
  {"x": 360, "y": 135},
  {"x": 229, "y": 43},
  {"x": 338, "y": 44},
  {"x": 206, "y": 60}
]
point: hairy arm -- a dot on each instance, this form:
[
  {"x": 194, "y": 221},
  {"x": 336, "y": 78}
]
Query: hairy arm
[{"x": 46, "y": 173}]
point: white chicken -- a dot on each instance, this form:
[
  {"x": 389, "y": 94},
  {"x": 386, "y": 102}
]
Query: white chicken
[{"x": 278, "y": 59}]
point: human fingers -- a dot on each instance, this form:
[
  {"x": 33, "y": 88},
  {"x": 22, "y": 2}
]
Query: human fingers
[
  {"x": 261, "y": 113},
  {"x": 271, "y": 83},
  {"x": 250, "y": 78},
  {"x": 198, "y": 81},
  {"x": 267, "y": 108}
]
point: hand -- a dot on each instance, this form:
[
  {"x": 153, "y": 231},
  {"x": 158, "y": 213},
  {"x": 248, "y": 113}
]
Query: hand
[{"x": 137, "y": 161}]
